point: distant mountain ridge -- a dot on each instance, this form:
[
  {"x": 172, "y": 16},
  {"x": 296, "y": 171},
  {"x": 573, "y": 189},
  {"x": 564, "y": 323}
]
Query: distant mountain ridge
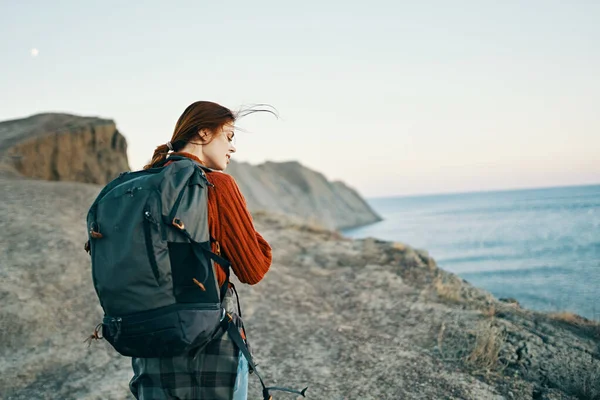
[
  {"x": 293, "y": 189},
  {"x": 64, "y": 147}
]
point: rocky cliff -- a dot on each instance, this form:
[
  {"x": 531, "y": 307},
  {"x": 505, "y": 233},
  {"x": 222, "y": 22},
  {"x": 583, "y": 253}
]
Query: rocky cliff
[
  {"x": 353, "y": 319},
  {"x": 293, "y": 189},
  {"x": 62, "y": 147}
]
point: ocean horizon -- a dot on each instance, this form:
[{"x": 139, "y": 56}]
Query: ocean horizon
[{"x": 540, "y": 246}]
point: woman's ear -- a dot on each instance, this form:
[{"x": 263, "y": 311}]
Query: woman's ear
[{"x": 204, "y": 135}]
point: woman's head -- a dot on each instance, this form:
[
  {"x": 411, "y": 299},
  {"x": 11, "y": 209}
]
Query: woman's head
[
  {"x": 205, "y": 130},
  {"x": 214, "y": 147}
]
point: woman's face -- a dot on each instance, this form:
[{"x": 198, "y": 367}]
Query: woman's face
[{"x": 217, "y": 152}]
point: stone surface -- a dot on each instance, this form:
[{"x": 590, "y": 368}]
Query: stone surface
[{"x": 352, "y": 319}]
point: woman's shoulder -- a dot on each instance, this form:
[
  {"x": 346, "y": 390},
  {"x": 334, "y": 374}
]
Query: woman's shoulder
[
  {"x": 225, "y": 188},
  {"x": 219, "y": 178}
]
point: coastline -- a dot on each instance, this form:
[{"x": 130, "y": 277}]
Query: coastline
[{"x": 536, "y": 245}]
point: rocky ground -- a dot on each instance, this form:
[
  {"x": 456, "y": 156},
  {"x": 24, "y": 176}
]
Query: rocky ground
[{"x": 352, "y": 319}]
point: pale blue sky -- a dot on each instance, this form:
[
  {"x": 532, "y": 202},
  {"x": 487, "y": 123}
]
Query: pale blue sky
[{"x": 391, "y": 97}]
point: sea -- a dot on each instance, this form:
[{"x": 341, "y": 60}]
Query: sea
[{"x": 539, "y": 246}]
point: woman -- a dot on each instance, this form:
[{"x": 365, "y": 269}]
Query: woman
[{"x": 205, "y": 133}]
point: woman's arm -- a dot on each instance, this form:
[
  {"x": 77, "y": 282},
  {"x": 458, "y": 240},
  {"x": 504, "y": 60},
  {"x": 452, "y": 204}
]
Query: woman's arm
[{"x": 249, "y": 253}]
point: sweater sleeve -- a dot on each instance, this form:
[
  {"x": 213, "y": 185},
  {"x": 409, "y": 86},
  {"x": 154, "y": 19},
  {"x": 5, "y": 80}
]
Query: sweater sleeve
[{"x": 249, "y": 253}]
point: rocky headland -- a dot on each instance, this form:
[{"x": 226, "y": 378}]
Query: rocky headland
[
  {"x": 62, "y": 147},
  {"x": 352, "y": 319},
  {"x": 292, "y": 189}
]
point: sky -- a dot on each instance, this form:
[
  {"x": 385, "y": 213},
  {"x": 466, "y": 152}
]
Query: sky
[{"x": 391, "y": 97}]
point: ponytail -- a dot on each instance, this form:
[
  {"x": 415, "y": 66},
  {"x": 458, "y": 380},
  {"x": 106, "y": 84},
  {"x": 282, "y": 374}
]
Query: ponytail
[
  {"x": 160, "y": 155},
  {"x": 197, "y": 116}
]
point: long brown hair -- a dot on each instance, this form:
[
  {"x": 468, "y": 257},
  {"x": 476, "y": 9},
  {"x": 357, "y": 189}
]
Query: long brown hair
[
  {"x": 202, "y": 115},
  {"x": 197, "y": 116}
]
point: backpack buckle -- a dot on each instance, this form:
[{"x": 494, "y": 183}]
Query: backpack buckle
[
  {"x": 94, "y": 231},
  {"x": 178, "y": 223}
]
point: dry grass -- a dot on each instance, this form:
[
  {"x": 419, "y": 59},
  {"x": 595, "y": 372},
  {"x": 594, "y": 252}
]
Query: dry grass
[
  {"x": 440, "y": 339},
  {"x": 448, "y": 289},
  {"x": 310, "y": 227},
  {"x": 510, "y": 301},
  {"x": 453, "y": 340},
  {"x": 573, "y": 319},
  {"x": 489, "y": 312},
  {"x": 488, "y": 342},
  {"x": 399, "y": 246},
  {"x": 592, "y": 326},
  {"x": 478, "y": 349}
]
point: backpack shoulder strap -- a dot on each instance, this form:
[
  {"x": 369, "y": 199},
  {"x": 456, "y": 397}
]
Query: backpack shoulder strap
[{"x": 181, "y": 158}]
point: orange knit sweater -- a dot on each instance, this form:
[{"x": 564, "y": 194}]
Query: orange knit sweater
[{"x": 230, "y": 223}]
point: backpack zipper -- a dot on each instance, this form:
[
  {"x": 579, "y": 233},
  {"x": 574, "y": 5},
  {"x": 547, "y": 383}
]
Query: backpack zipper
[
  {"x": 161, "y": 224},
  {"x": 149, "y": 219}
]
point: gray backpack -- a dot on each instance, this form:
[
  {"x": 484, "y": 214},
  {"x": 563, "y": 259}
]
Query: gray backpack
[{"x": 152, "y": 266}]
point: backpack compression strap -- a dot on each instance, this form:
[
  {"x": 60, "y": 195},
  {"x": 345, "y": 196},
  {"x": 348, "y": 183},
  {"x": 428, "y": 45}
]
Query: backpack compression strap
[
  {"x": 197, "y": 247},
  {"x": 235, "y": 336}
]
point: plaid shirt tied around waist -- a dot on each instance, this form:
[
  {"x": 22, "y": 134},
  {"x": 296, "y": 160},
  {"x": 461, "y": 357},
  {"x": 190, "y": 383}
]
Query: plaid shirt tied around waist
[{"x": 208, "y": 373}]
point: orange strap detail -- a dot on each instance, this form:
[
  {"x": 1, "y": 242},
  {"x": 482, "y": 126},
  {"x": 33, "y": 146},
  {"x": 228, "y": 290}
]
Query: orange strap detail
[{"x": 199, "y": 284}]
